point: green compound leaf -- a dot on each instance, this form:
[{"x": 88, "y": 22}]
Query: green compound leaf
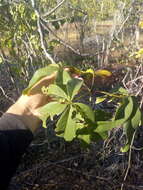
[
  {"x": 67, "y": 124},
  {"x": 125, "y": 109},
  {"x": 73, "y": 87},
  {"x": 50, "y": 110},
  {"x": 122, "y": 115},
  {"x": 86, "y": 134},
  {"x": 136, "y": 119},
  {"x": 129, "y": 133},
  {"x": 131, "y": 125},
  {"x": 85, "y": 139},
  {"x": 87, "y": 111},
  {"x": 55, "y": 90},
  {"x": 62, "y": 77},
  {"x": 61, "y": 124},
  {"x": 136, "y": 115},
  {"x": 66, "y": 77},
  {"x": 39, "y": 74}
]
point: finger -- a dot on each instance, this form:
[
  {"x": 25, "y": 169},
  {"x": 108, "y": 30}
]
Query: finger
[{"x": 46, "y": 81}]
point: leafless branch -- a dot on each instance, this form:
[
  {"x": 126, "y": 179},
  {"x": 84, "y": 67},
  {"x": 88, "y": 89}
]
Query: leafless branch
[
  {"x": 78, "y": 10},
  {"x": 76, "y": 51},
  {"x": 41, "y": 33},
  {"x": 6, "y": 96},
  {"x": 54, "y": 9},
  {"x": 42, "y": 41},
  {"x": 58, "y": 19}
]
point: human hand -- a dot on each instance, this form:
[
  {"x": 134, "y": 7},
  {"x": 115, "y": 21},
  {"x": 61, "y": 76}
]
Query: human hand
[{"x": 26, "y": 107}]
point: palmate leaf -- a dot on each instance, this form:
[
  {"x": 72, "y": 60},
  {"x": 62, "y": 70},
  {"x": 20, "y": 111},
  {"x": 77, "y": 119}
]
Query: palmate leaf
[
  {"x": 129, "y": 134},
  {"x": 86, "y": 134},
  {"x": 73, "y": 87},
  {"x": 136, "y": 115},
  {"x": 61, "y": 124},
  {"x": 86, "y": 110},
  {"x": 50, "y": 110},
  {"x": 131, "y": 125},
  {"x": 85, "y": 130},
  {"x": 39, "y": 74},
  {"x": 136, "y": 119},
  {"x": 120, "y": 112},
  {"x": 55, "y": 90},
  {"x": 62, "y": 77},
  {"x": 67, "y": 125},
  {"x": 122, "y": 115}
]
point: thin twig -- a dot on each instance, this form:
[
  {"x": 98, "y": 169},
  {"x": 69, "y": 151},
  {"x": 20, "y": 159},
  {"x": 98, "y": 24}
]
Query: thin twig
[
  {"x": 6, "y": 96},
  {"x": 54, "y": 9},
  {"x": 138, "y": 78},
  {"x": 124, "y": 79},
  {"x": 42, "y": 41},
  {"x": 41, "y": 32},
  {"x": 76, "y": 51},
  {"x": 49, "y": 164}
]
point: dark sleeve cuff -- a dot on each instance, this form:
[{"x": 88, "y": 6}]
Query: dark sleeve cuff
[
  {"x": 10, "y": 121},
  {"x": 14, "y": 139}
]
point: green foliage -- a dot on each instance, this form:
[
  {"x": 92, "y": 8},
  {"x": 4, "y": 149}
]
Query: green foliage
[
  {"x": 78, "y": 120},
  {"x": 39, "y": 74}
]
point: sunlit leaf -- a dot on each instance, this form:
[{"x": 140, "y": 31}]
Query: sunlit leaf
[
  {"x": 122, "y": 90},
  {"x": 39, "y": 74},
  {"x": 85, "y": 139},
  {"x": 62, "y": 77},
  {"x": 125, "y": 148},
  {"x": 55, "y": 90},
  {"x": 67, "y": 125},
  {"x": 141, "y": 24},
  {"x": 103, "y": 73},
  {"x": 73, "y": 87},
  {"x": 114, "y": 95},
  {"x": 100, "y": 99},
  {"x": 61, "y": 124},
  {"x": 1, "y": 60},
  {"x": 70, "y": 130},
  {"x": 51, "y": 109},
  {"x": 90, "y": 71}
]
